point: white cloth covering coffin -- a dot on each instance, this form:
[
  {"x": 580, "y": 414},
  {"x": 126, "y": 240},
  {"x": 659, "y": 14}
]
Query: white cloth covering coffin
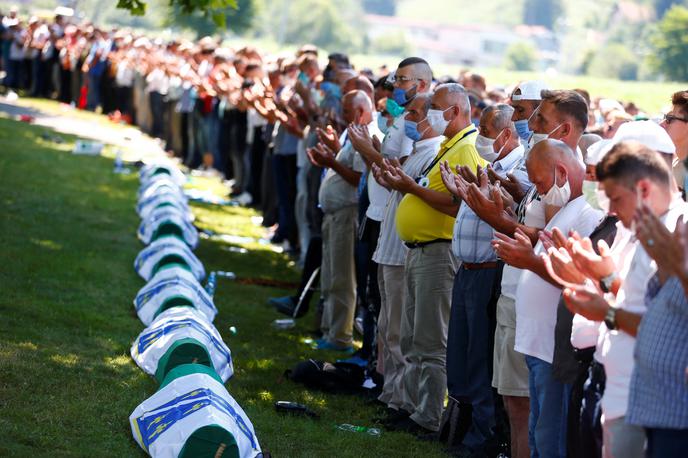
[
  {"x": 149, "y": 171},
  {"x": 185, "y": 403},
  {"x": 168, "y": 221},
  {"x": 167, "y": 248},
  {"x": 174, "y": 325},
  {"x": 169, "y": 284}
]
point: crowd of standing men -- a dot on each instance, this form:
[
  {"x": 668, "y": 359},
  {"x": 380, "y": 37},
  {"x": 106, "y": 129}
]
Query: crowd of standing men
[{"x": 523, "y": 249}]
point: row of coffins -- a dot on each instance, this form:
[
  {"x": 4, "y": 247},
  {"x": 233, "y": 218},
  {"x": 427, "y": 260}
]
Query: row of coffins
[{"x": 192, "y": 414}]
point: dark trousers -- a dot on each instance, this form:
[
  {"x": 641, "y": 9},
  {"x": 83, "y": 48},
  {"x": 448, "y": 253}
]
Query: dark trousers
[
  {"x": 312, "y": 261},
  {"x": 584, "y": 429},
  {"x": 284, "y": 174},
  {"x": 256, "y": 153},
  {"x": 157, "y": 107},
  {"x": 666, "y": 443},
  {"x": 470, "y": 344},
  {"x": 368, "y": 292}
]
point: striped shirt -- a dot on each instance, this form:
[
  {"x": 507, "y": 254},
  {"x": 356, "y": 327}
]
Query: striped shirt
[
  {"x": 390, "y": 250},
  {"x": 658, "y": 395},
  {"x": 472, "y": 238}
]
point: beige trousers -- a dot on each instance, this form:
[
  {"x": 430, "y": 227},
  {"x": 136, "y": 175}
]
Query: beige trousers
[
  {"x": 391, "y": 282},
  {"x": 338, "y": 276},
  {"x": 429, "y": 272}
]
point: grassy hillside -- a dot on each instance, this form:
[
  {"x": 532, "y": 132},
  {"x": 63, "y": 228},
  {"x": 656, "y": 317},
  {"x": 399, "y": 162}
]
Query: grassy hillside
[{"x": 68, "y": 383}]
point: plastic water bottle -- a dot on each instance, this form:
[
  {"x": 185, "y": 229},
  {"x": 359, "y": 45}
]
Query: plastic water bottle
[
  {"x": 210, "y": 285},
  {"x": 118, "y": 161},
  {"x": 359, "y": 429},
  {"x": 228, "y": 275}
]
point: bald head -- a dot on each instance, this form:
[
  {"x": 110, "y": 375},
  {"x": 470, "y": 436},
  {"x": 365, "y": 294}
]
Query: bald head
[
  {"x": 552, "y": 161},
  {"x": 357, "y": 107},
  {"x": 359, "y": 82},
  {"x": 343, "y": 75},
  {"x": 452, "y": 100}
]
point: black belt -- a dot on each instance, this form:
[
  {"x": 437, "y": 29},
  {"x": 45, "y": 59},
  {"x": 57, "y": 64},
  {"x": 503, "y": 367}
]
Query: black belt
[{"x": 412, "y": 245}]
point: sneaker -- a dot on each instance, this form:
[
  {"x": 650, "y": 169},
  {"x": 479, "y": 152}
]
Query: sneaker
[
  {"x": 285, "y": 305},
  {"x": 395, "y": 416},
  {"x": 323, "y": 344}
]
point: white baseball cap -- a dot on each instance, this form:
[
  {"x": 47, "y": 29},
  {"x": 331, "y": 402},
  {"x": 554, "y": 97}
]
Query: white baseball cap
[
  {"x": 648, "y": 133},
  {"x": 529, "y": 90}
]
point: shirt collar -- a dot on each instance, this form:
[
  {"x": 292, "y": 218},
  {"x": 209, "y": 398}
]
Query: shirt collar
[
  {"x": 507, "y": 162},
  {"x": 428, "y": 143},
  {"x": 451, "y": 142}
]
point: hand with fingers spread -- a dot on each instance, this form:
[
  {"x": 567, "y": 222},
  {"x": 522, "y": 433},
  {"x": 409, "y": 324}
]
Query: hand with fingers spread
[
  {"x": 587, "y": 302},
  {"x": 466, "y": 173},
  {"x": 561, "y": 268},
  {"x": 397, "y": 178},
  {"x": 592, "y": 265},
  {"x": 448, "y": 178},
  {"x": 329, "y": 137},
  {"x": 321, "y": 155},
  {"x": 659, "y": 243},
  {"x": 510, "y": 183},
  {"x": 379, "y": 175},
  {"x": 517, "y": 251},
  {"x": 377, "y": 144}
]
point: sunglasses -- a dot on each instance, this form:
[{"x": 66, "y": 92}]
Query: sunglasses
[{"x": 671, "y": 118}]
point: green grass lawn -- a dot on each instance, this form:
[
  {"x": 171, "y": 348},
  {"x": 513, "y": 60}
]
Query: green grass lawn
[{"x": 67, "y": 382}]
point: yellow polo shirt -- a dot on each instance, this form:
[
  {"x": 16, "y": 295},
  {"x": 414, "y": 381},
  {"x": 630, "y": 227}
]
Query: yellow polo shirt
[{"x": 417, "y": 221}]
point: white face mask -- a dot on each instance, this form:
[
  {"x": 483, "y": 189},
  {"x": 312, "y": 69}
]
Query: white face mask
[
  {"x": 557, "y": 196},
  {"x": 537, "y": 138},
  {"x": 602, "y": 200},
  {"x": 485, "y": 147},
  {"x": 437, "y": 121}
]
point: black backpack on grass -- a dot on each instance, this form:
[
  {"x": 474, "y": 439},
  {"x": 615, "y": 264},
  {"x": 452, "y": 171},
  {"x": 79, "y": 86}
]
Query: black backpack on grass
[{"x": 333, "y": 378}]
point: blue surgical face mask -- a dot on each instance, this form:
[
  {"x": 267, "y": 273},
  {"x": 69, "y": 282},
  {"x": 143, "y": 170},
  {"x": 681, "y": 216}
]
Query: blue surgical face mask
[
  {"x": 393, "y": 108},
  {"x": 411, "y": 129},
  {"x": 304, "y": 79},
  {"x": 331, "y": 89},
  {"x": 382, "y": 123},
  {"x": 523, "y": 130},
  {"x": 476, "y": 121},
  {"x": 401, "y": 97}
]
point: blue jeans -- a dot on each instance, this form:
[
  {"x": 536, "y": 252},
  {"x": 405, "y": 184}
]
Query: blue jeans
[
  {"x": 549, "y": 401},
  {"x": 470, "y": 344}
]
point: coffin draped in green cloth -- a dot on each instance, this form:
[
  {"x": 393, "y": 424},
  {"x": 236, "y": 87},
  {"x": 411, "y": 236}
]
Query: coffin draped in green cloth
[{"x": 211, "y": 441}]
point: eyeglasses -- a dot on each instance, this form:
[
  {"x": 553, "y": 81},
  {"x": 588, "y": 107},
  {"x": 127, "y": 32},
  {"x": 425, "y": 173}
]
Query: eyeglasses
[
  {"x": 401, "y": 79},
  {"x": 671, "y": 118}
]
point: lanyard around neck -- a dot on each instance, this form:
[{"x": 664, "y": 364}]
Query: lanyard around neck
[{"x": 439, "y": 158}]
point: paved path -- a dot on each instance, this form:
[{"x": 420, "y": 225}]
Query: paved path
[{"x": 136, "y": 144}]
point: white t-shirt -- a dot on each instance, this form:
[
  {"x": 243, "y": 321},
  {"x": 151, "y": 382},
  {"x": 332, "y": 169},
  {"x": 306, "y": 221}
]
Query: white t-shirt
[
  {"x": 377, "y": 194},
  {"x": 537, "y": 299}
]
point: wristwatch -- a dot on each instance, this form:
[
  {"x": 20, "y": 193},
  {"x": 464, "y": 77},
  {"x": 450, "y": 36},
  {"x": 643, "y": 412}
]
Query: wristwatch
[
  {"x": 455, "y": 200},
  {"x": 610, "y": 319},
  {"x": 606, "y": 282}
]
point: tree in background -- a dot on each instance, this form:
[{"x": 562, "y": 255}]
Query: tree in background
[
  {"x": 614, "y": 60},
  {"x": 520, "y": 56},
  {"x": 670, "y": 44},
  {"x": 322, "y": 23},
  {"x": 541, "y": 12},
  {"x": 662, "y": 6},
  {"x": 215, "y": 9},
  {"x": 239, "y": 19}
]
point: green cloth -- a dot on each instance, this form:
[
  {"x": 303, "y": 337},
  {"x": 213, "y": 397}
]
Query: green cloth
[
  {"x": 174, "y": 301},
  {"x": 188, "y": 369},
  {"x": 211, "y": 441},
  {"x": 183, "y": 351}
]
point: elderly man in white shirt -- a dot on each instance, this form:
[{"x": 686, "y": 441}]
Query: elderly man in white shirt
[
  {"x": 558, "y": 175},
  {"x": 391, "y": 254}
]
